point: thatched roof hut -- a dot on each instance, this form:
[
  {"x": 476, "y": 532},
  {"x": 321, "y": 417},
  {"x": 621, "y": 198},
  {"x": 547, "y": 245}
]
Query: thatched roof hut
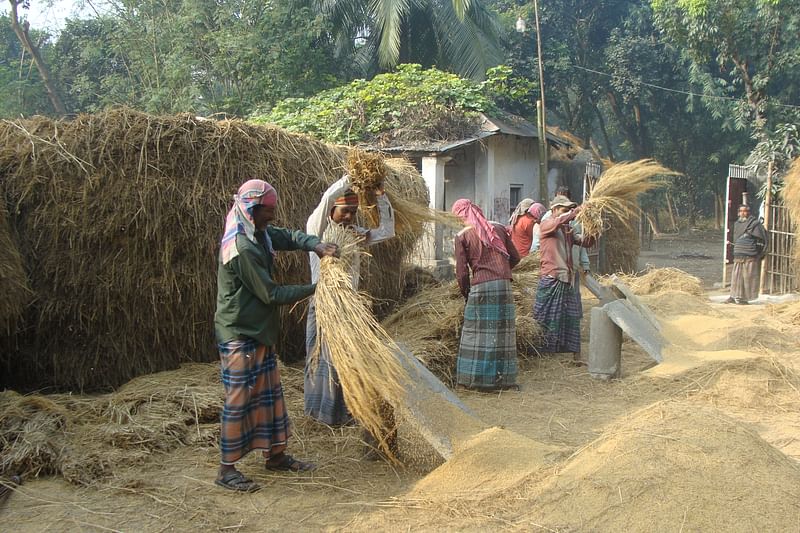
[{"x": 117, "y": 218}]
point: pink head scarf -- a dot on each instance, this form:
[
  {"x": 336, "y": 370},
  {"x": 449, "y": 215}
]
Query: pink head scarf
[
  {"x": 537, "y": 211},
  {"x": 240, "y": 216},
  {"x": 472, "y": 215}
]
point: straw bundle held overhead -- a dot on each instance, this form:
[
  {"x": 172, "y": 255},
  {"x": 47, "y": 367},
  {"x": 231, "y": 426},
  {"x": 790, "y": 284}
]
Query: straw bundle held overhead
[
  {"x": 367, "y": 173},
  {"x": 361, "y": 351},
  {"x": 791, "y": 197},
  {"x": 616, "y": 192}
]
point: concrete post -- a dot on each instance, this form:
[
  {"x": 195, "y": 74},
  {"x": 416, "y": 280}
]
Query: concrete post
[
  {"x": 433, "y": 174},
  {"x": 605, "y": 346}
]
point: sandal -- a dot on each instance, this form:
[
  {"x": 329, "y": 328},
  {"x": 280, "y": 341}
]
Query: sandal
[
  {"x": 286, "y": 463},
  {"x": 235, "y": 480}
]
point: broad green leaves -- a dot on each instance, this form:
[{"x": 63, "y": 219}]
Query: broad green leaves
[{"x": 419, "y": 105}]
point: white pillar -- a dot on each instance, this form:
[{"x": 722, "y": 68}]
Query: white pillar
[
  {"x": 433, "y": 174},
  {"x": 491, "y": 192}
]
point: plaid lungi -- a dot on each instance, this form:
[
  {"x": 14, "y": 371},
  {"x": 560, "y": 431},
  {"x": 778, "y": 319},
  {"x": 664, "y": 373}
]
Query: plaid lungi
[
  {"x": 745, "y": 278},
  {"x": 558, "y": 311},
  {"x": 487, "y": 355},
  {"x": 322, "y": 392},
  {"x": 254, "y": 416}
]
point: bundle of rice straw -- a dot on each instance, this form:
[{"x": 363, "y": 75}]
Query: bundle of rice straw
[
  {"x": 413, "y": 216},
  {"x": 363, "y": 354},
  {"x": 791, "y": 198},
  {"x": 367, "y": 173},
  {"x": 616, "y": 191}
]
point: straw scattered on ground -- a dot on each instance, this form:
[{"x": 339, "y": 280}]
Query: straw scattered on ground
[
  {"x": 657, "y": 281},
  {"x": 429, "y": 323},
  {"x": 86, "y": 438},
  {"x": 616, "y": 193}
]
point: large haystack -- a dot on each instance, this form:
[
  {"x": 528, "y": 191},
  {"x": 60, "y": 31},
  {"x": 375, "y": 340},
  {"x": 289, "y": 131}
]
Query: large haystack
[
  {"x": 119, "y": 216},
  {"x": 13, "y": 281}
]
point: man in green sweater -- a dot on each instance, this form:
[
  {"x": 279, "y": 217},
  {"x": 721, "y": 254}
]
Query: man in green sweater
[{"x": 247, "y": 325}]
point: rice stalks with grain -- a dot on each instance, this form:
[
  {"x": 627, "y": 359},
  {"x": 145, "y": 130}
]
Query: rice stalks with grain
[
  {"x": 364, "y": 355},
  {"x": 616, "y": 192}
]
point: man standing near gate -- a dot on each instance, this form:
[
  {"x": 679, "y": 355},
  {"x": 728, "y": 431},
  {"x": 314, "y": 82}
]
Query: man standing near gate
[{"x": 749, "y": 247}]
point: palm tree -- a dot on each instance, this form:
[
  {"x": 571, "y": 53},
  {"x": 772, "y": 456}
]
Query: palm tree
[{"x": 458, "y": 35}]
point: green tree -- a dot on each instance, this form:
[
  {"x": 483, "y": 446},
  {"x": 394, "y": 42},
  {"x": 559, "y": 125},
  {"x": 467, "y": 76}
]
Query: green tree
[
  {"x": 411, "y": 104},
  {"x": 91, "y": 66},
  {"x": 22, "y": 89},
  {"x": 168, "y": 56},
  {"x": 457, "y": 35},
  {"x": 739, "y": 48}
]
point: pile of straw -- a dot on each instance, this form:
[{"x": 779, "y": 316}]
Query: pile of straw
[
  {"x": 616, "y": 192},
  {"x": 32, "y": 435},
  {"x": 363, "y": 354},
  {"x": 118, "y": 217},
  {"x": 791, "y": 198},
  {"x": 657, "y": 281},
  {"x": 429, "y": 323},
  {"x": 85, "y": 438}
]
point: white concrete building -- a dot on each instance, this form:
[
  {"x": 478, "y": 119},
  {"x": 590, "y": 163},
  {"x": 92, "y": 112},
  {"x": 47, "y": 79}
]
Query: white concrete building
[{"x": 495, "y": 168}]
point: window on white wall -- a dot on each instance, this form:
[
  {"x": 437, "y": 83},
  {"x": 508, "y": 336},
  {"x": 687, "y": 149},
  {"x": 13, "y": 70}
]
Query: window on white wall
[{"x": 514, "y": 196}]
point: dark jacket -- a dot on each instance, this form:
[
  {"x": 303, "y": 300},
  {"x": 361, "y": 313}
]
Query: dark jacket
[
  {"x": 749, "y": 238},
  {"x": 248, "y": 297}
]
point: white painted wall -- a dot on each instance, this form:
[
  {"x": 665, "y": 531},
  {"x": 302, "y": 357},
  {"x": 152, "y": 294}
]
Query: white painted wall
[
  {"x": 459, "y": 175},
  {"x": 516, "y": 162}
]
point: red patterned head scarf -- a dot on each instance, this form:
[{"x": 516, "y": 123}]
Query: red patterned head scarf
[
  {"x": 537, "y": 211},
  {"x": 348, "y": 198},
  {"x": 240, "y": 216},
  {"x": 472, "y": 215}
]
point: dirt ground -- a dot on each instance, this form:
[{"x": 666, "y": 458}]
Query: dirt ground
[
  {"x": 708, "y": 440},
  {"x": 697, "y": 252}
]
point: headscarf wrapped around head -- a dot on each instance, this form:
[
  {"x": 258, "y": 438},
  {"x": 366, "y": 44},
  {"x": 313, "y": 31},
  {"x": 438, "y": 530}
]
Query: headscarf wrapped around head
[
  {"x": 240, "y": 216},
  {"x": 537, "y": 211},
  {"x": 520, "y": 210},
  {"x": 349, "y": 198},
  {"x": 472, "y": 215}
]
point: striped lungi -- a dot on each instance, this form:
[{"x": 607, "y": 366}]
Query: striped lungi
[
  {"x": 322, "y": 392},
  {"x": 558, "y": 311},
  {"x": 487, "y": 355},
  {"x": 254, "y": 416},
  {"x": 745, "y": 278}
]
